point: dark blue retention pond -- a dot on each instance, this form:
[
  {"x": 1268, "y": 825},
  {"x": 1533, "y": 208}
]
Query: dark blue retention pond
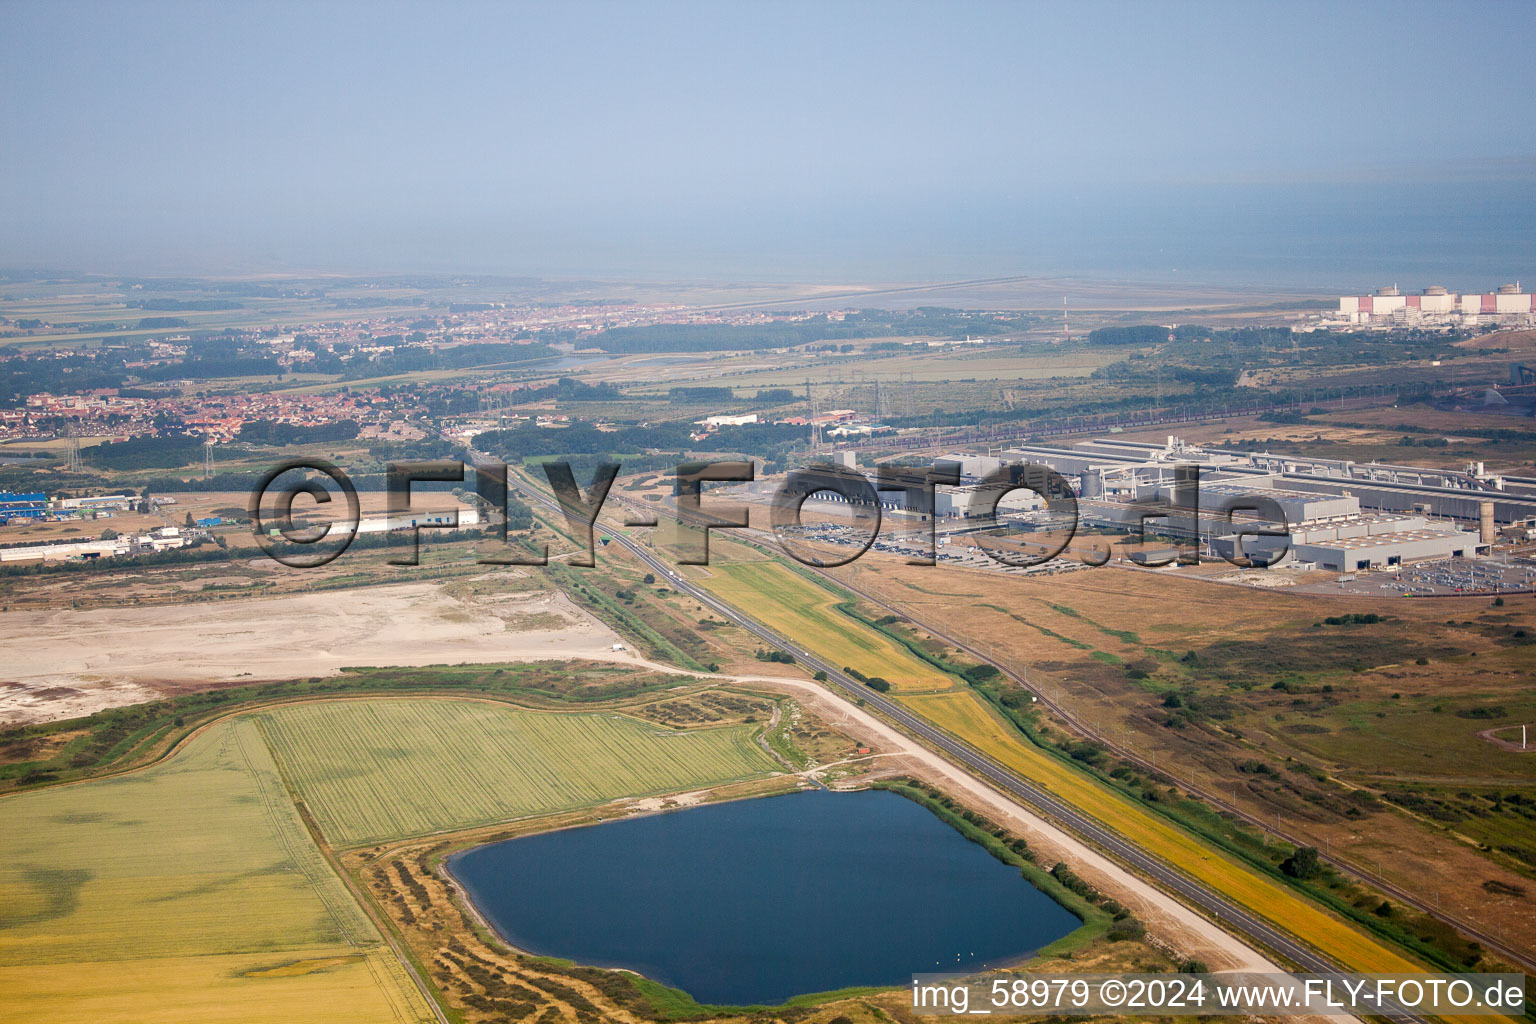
[{"x": 754, "y": 902}]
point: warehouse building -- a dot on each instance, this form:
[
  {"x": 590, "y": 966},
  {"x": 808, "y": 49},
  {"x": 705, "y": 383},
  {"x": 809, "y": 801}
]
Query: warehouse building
[
  {"x": 117, "y": 502},
  {"x": 1369, "y": 542},
  {"x": 1135, "y": 471},
  {"x": 1334, "y": 514},
  {"x": 66, "y": 551},
  {"x": 1347, "y": 554}
]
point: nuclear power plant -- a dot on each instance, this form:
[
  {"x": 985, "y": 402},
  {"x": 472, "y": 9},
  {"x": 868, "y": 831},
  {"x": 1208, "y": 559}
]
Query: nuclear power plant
[{"x": 1508, "y": 305}]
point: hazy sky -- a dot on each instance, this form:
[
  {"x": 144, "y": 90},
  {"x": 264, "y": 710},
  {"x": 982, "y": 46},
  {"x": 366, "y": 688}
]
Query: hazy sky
[{"x": 769, "y": 138}]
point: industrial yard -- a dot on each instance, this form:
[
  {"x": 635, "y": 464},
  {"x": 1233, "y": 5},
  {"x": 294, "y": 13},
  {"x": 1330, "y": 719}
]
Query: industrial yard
[{"x": 1495, "y": 577}]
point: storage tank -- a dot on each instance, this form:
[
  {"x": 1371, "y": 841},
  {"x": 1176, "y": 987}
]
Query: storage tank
[{"x": 1386, "y": 300}]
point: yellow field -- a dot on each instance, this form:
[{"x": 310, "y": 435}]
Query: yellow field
[
  {"x": 320, "y": 984},
  {"x": 189, "y": 891},
  {"x": 967, "y": 716},
  {"x": 806, "y": 613}
]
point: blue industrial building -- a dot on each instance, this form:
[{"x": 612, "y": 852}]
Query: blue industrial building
[{"x": 23, "y": 506}]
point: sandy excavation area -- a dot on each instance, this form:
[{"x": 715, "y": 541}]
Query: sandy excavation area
[{"x": 63, "y": 663}]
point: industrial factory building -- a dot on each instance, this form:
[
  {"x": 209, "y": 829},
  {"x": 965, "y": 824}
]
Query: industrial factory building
[
  {"x": 156, "y": 541},
  {"x": 116, "y": 502},
  {"x": 1346, "y": 554},
  {"x": 1133, "y": 470},
  {"x": 1301, "y": 508},
  {"x": 970, "y": 500},
  {"x": 1338, "y": 515}
]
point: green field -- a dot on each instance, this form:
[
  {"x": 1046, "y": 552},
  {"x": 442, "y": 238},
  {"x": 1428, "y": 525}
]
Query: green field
[
  {"x": 1419, "y": 735},
  {"x": 374, "y": 770},
  {"x": 807, "y": 613},
  {"x": 957, "y": 365},
  {"x": 193, "y": 882}
]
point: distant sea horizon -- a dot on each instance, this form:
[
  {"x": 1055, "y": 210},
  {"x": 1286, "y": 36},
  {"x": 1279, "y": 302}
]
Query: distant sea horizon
[
  {"x": 1253, "y": 239},
  {"x": 1323, "y": 239}
]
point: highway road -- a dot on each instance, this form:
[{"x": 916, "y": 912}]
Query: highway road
[{"x": 1234, "y": 916}]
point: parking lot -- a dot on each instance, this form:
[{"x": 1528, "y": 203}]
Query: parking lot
[{"x": 959, "y": 551}]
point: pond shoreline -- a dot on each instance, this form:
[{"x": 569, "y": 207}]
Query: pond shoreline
[{"x": 659, "y": 901}]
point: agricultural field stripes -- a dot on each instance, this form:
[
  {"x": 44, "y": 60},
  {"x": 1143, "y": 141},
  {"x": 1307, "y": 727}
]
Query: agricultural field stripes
[
  {"x": 193, "y": 880},
  {"x": 374, "y": 770},
  {"x": 794, "y": 606}
]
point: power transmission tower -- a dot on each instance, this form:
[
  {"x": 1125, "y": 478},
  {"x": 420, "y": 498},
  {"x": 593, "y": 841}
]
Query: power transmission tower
[
  {"x": 810, "y": 402},
  {"x": 207, "y": 460},
  {"x": 74, "y": 449}
]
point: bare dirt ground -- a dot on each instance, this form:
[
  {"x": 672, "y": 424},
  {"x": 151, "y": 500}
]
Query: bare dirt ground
[
  {"x": 1507, "y": 742},
  {"x": 64, "y": 663},
  {"x": 1517, "y": 341}
]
